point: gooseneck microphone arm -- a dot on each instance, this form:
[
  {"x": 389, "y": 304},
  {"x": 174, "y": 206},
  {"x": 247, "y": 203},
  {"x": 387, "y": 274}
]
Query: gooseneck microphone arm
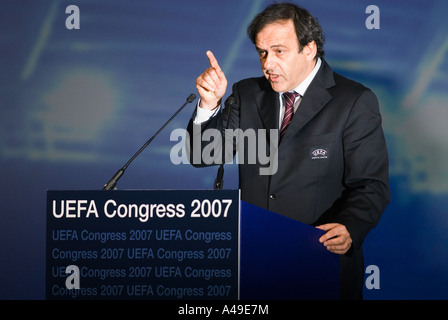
[
  {"x": 113, "y": 182},
  {"x": 219, "y": 176}
]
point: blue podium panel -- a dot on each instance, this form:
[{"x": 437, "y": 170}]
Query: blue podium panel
[
  {"x": 158, "y": 245},
  {"x": 281, "y": 258},
  {"x": 180, "y": 245}
]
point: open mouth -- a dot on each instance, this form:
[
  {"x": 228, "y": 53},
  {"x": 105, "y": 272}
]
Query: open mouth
[{"x": 273, "y": 77}]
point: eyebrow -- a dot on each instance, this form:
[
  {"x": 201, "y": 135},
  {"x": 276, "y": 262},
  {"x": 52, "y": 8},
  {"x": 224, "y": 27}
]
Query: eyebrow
[{"x": 272, "y": 47}]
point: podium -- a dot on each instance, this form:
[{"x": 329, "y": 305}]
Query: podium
[{"x": 180, "y": 245}]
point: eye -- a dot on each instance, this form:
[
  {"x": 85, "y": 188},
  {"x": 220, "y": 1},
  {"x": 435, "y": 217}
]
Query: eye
[{"x": 262, "y": 53}]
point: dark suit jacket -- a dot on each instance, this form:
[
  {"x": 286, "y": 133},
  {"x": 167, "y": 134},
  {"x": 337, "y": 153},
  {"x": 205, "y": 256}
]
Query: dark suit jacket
[{"x": 346, "y": 182}]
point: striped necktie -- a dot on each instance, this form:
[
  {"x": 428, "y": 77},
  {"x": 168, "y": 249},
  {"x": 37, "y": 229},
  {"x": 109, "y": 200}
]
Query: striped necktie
[{"x": 290, "y": 97}]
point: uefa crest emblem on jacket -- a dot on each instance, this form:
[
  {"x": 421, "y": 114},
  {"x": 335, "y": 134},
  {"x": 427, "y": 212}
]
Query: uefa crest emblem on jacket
[{"x": 319, "y": 153}]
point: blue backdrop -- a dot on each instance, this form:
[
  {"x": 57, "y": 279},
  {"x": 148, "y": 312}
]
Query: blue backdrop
[{"x": 76, "y": 104}]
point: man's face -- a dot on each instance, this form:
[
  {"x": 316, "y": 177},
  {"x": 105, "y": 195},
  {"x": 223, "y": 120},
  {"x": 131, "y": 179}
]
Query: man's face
[{"x": 281, "y": 62}]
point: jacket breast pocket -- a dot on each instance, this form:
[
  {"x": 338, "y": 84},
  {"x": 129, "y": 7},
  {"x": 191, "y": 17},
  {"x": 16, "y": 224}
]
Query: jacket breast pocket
[
  {"x": 317, "y": 147},
  {"x": 319, "y": 153},
  {"x": 307, "y": 150}
]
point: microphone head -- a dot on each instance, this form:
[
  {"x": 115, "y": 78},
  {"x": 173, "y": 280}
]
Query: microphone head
[
  {"x": 191, "y": 98},
  {"x": 230, "y": 100}
]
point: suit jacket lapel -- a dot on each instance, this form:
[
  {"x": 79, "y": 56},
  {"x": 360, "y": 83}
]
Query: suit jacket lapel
[
  {"x": 315, "y": 98},
  {"x": 268, "y": 106}
]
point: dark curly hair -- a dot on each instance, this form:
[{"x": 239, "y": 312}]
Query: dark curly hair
[{"x": 307, "y": 27}]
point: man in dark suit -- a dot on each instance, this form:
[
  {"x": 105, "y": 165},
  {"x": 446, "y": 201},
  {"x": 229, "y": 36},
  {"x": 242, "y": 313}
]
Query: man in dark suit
[{"x": 332, "y": 162}]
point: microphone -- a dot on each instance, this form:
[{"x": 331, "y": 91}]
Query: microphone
[
  {"x": 113, "y": 182},
  {"x": 219, "y": 177}
]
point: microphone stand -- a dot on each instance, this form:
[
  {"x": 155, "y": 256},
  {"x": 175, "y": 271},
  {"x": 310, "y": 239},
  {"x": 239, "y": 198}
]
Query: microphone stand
[
  {"x": 113, "y": 182},
  {"x": 219, "y": 177}
]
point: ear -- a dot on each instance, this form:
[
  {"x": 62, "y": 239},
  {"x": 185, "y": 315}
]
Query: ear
[{"x": 310, "y": 51}]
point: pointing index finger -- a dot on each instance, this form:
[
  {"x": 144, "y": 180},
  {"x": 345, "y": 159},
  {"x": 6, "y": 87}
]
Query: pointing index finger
[{"x": 212, "y": 60}]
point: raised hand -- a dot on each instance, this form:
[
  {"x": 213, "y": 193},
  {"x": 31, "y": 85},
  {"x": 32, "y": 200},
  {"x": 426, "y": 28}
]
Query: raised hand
[{"x": 212, "y": 84}]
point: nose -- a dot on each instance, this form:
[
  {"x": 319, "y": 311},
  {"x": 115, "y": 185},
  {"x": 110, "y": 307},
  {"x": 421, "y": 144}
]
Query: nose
[{"x": 268, "y": 63}]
